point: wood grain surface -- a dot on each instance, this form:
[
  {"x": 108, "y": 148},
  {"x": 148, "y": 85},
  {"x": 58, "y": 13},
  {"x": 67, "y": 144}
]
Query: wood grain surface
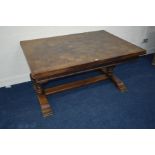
[{"x": 62, "y": 52}]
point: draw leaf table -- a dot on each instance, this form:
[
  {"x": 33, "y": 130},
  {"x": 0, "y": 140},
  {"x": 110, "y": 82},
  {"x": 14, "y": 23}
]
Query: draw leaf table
[{"x": 61, "y": 56}]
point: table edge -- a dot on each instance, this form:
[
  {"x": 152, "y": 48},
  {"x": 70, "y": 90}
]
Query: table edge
[{"x": 66, "y": 71}]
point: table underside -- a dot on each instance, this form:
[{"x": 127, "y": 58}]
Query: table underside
[{"x": 106, "y": 73}]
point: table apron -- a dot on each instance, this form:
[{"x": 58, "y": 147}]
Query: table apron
[{"x": 77, "y": 70}]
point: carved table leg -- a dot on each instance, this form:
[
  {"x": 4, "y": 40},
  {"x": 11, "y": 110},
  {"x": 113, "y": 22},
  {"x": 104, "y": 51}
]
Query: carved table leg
[
  {"x": 45, "y": 107},
  {"x": 119, "y": 84}
]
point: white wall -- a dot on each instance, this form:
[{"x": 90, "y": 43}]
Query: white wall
[
  {"x": 150, "y": 46},
  {"x": 13, "y": 66}
]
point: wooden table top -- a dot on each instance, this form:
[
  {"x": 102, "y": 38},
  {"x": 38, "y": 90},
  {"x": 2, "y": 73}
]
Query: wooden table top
[{"x": 55, "y": 53}]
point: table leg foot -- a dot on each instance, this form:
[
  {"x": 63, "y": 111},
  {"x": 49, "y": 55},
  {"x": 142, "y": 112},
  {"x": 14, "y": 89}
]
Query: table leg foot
[
  {"x": 118, "y": 83},
  {"x": 45, "y": 107}
]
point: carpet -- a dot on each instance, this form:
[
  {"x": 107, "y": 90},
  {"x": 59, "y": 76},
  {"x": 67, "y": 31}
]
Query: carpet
[{"x": 97, "y": 106}]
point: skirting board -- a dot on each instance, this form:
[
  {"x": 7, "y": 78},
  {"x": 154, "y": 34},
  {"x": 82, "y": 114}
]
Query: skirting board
[
  {"x": 7, "y": 82},
  {"x": 151, "y": 51}
]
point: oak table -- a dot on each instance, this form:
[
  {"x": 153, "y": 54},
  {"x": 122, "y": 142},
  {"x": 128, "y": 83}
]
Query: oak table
[{"x": 61, "y": 56}]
